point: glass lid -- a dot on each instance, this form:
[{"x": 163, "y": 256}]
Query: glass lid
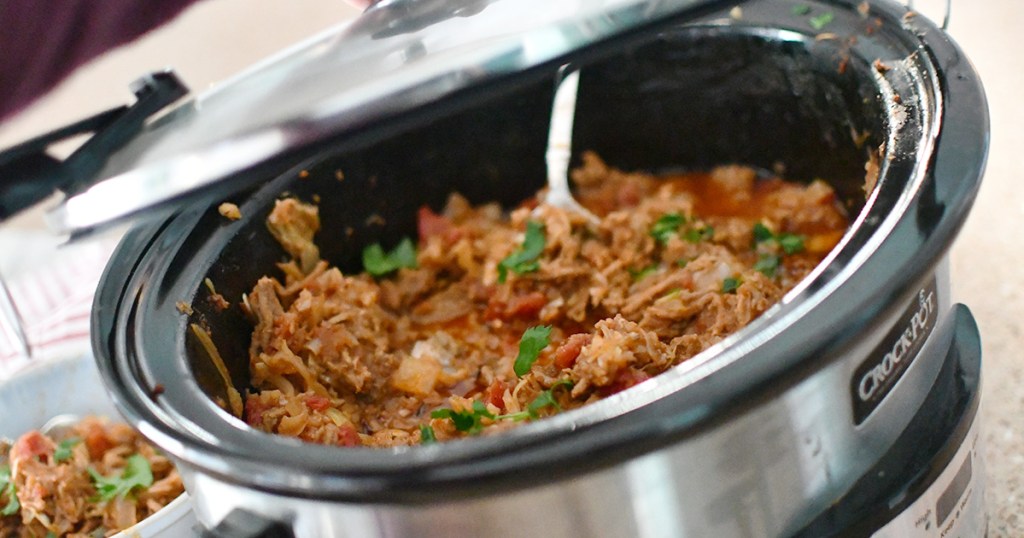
[{"x": 398, "y": 56}]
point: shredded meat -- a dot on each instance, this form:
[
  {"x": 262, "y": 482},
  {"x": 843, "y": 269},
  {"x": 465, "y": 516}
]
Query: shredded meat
[
  {"x": 675, "y": 265},
  {"x": 53, "y": 481},
  {"x": 293, "y": 225}
]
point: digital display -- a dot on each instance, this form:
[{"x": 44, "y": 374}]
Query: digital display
[{"x": 947, "y": 501}]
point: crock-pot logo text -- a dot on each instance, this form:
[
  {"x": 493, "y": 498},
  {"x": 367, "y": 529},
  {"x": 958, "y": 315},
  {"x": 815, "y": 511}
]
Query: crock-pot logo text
[{"x": 875, "y": 377}]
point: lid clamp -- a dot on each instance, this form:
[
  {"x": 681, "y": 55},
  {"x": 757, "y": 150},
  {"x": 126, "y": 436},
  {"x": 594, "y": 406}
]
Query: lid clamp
[{"x": 29, "y": 174}]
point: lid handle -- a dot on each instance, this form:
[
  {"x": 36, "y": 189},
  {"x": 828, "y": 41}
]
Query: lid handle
[{"x": 29, "y": 174}]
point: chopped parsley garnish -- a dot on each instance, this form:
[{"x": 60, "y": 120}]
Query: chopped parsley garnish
[
  {"x": 136, "y": 475},
  {"x": 682, "y": 262},
  {"x": 534, "y": 339},
  {"x": 731, "y": 284},
  {"x": 63, "y": 451},
  {"x": 768, "y": 265},
  {"x": 762, "y": 233},
  {"x": 547, "y": 399},
  {"x": 7, "y": 488},
  {"x": 665, "y": 227},
  {"x": 524, "y": 260},
  {"x": 471, "y": 421},
  {"x": 379, "y": 263},
  {"x": 821, "y": 21},
  {"x": 801, "y": 9},
  {"x": 696, "y": 235},
  {"x": 790, "y": 243},
  {"x": 544, "y": 399},
  {"x": 640, "y": 274},
  {"x": 670, "y": 223},
  {"x": 466, "y": 421}
]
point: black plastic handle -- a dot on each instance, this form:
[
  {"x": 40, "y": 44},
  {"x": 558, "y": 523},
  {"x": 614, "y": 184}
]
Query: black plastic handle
[
  {"x": 241, "y": 523},
  {"x": 29, "y": 174}
]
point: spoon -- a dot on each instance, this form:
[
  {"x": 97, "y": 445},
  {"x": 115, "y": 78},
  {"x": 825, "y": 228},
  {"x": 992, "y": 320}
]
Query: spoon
[
  {"x": 563, "y": 112},
  {"x": 59, "y": 424}
]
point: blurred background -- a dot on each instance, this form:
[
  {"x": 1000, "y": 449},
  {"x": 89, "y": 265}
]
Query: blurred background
[{"x": 217, "y": 38}]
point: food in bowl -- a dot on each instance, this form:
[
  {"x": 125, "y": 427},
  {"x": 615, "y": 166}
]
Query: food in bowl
[
  {"x": 491, "y": 318},
  {"x": 94, "y": 478}
]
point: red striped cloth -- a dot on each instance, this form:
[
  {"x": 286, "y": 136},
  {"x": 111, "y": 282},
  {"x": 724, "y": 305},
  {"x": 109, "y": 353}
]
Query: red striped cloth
[{"x": 52, "y": 288}]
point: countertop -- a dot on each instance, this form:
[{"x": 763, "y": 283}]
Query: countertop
[{"x": 984, "y": 260}]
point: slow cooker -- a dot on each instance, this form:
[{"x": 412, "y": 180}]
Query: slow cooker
[{"x": 847, "y": 409}]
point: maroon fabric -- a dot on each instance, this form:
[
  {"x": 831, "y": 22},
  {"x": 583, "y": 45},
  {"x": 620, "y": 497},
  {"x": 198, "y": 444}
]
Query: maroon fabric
[{"x": 42, "y": 42}]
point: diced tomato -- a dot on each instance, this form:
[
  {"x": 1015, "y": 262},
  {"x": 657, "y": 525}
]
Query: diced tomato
[
  {"x": 569, "y": 351},
  {"x": 430, "y": 224},
  {"x": 317, "y": 403},
  {"x": 495, "y": 309},
  {"x": 97, "y": 442},
  {"x": 519, "y": 306},
  {"x": 527, "y": 305},
  {"x": 347, "y": 436},
  {"x": 626, "y": 378},
  {"x": 31, "y": 445},
  {"x": 494, "y": 394},
  {"x": 254, "y": 411},
  {"x": 478, "y": 291},
  {"x": 629, "y": 195},
  {"x": 530, "y": 203}
]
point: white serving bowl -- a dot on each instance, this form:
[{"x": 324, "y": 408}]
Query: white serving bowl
[{"x": 73, "y": 386}]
